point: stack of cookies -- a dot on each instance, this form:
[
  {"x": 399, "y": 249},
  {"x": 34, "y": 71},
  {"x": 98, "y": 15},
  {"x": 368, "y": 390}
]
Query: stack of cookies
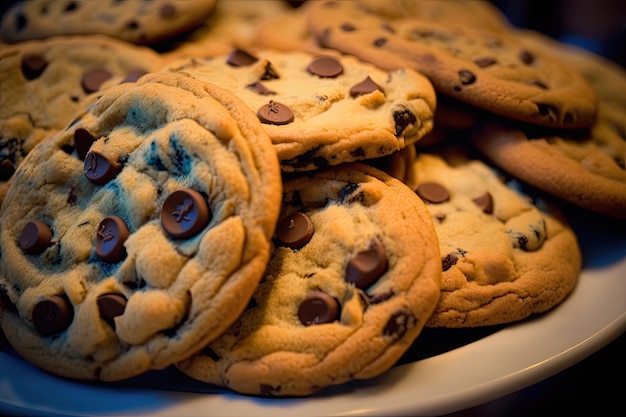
[{"x": 280, "y": 197}]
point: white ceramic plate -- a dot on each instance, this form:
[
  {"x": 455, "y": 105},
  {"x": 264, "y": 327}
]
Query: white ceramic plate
[{"x": 484, "y": 367}]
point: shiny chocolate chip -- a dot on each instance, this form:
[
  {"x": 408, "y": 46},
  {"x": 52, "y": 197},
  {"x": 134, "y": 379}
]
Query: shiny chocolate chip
[
  {"x": 432, "y": 192},
  {"x": 52, "y": 315},
  {"x": 111, "y": 234},
  {"x": 367, "y": 266},
  {"x": 33, "y": 66},
  {"x": 365, "y": 87},
  {"x": 466, "y": 77},
  {"x": 240, "y": 58},
  {"x": 318, "y": 308},
  {"x": 82, "y": 142},
  {"x": 185, "y": 213},
  {"x": 111, "y": 305},
  {"x": 7, "y": 169},
  {"x": 275, "y": 113},
  {"x": 260, "y": 88},
  {"x": 92, "y": 80},
  {"x": 484, "y": 202},
  {"x": 35, "y": 237},
  {"x": 295, "y": 230},
  {"x": 325, "y": 67},
  {"x": 99, "y": 169}
]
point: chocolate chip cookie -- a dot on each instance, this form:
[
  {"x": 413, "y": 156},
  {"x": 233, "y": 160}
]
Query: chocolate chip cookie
[
  {"x": 354, "y": 276},
  {"x": 486, "y": 68},
  {"x": 44, "y": 83},
  {"x": 504, "y": 256},
  {"x": 139, "y": 22},
  {"x": 322, "y": 110},
  {"x": 139, "y": 232}
]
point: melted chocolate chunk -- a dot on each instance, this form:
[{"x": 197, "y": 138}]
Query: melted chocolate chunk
[
  {"x": 99, "y": 169},
  {"x": 403, "y": 118},
  {"x": 365, "y": 87},
  {"x": 35, "y": 237},
  {"x": 466, "y": 77},
  {"x": 111, "y": 234},
  {"x": 484, "y": 202},
  {"x": 240, "y": 58},
  {"x": 318, "y": 308},
  {"x": 448, "y": 261},
  {"x": 111, "y": 305},
  {"x": 33, "y": 66},
  {"x": 7, "y": 169},
  {"x": 295, "y": 230},
  {"x": 260, "y": 88},
  {"x": 432, "y": 192},
  {"x": 93, "y": 79},
  {"x": 268, "y": 390},
  {"x": 367, "y": 266},
  {"x": 52, "y": 315},
  {"x": 275, "y": 113},
  {"x": 82, "y": 142},
  {"x": 399, "y": 323},
  {"x": 185, "y": 213},
  {"x": 325, "y": 67}
]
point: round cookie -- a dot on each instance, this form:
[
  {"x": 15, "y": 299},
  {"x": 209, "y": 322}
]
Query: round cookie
[
  {"x": 139, "y": 232},
  {"x": 504, "y": 257},
  {"x": 43, "y": 84},
  {"x": 354, "y": 276},
  {"x": 139, "y": 22},
  {"x": 488, "y": 69},
  {"x": 586, "y": 167},
  {"x": 303, "y": 101}
]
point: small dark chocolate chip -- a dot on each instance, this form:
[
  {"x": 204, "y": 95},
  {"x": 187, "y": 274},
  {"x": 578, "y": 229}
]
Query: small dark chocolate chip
[
  {"x": 380, "y": 42},
  {"x": 111, "y": 305},
  {"x": 33, "y": 66},
  {"x": 399, "y": 323},
  {"x": 294, "y": 231},
  {"x": 82, "y": 142},
  {"x": 70, "y": 6},
  {"x": 240, "y": 58},
  {"x": 484, "y": 202},
  {"x": 21, "y": 21},
  {"x": 99, "y": 169},
  {"x": 111, "y": 234},
  {"x": 52, "y": 315},
  {"x": 185, "y": 213},
  {"x": 379, "y": 298},
  {"x": 367, "y": 266},
  {"x": 539, "y": 83},
  {"x": 526, "y": 57},
  {"x": 92, "y": 80},
  {"x": 35, "y": 237},
  {"x": 485, "y": 62},
  {"x": 432, "y": 192},
  {"x": 275, "y": 113},
  {"x": 348, "y": 27},
  {"x": 365, "y": 87},
  {"x": 325, "y": 67},
  {"x": 7, "y": 169},
  {"x": 467, "y": 77},
  {"x": 318, "y": 308},
  {"x": 448, "y": 261},
  {"x": 260, "y": 88},
  {"x": 403, "y": 118}
]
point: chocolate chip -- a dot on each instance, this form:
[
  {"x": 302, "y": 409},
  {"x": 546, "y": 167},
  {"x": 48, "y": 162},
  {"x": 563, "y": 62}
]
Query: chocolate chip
[
  {"x": 93, "y": 79},
  {"x": 484, "y": 202},
  {"x": 448, "y": 261},
  {"x": 133, "y": 76},
  {"x": 240, "y": 58},
  {"x": 539, "y": 83},
  {"x": 260, "y": 88},
  {"x": 318, "y": 308},
  {"x": 526, "y": 57},
  {"x": 35, "y": 237},
  {"x": 275, "y": 113},
  {"x": 33, "y": 65},
  {"x": 52, "y": 315},
  {"x": 167, "y": 11},
  {"x": 348, "y": 27},
  {"x": 367, "y": 266},
  {"x": 380, "y": 42},
  {"x": 111, "y": 305},
  {"x": 185, "y": 213},
  {"x": 99, "y": 169},
  {"x": 365, "y": 87},
  {"x": 432, "y": 192},
  {"x": 403, "y": 118},
  {"x": 21, "y": 21},
  {"x": 379, "y": 298},
  {"x": 82, "y": 142},
  {"x": 466, "y": 76},
  {"x": 70, "y": 6},
  {"x": 295, "y": 230},
  {"x": 399, "y": 323},
  {"x": 111, "y": 234},
  {"x": 485, "y": 62},
  {"x": 7, "y": 169},
  {"x": 325, "y": 67}
]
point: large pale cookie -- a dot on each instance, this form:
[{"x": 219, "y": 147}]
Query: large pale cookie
[
  {"x": 584, "y": 167},
  {"x": 139, "y": 232},
  {"x": 322, "y": 110},
  {"x": 137, "y": 21},
  {"x": 353, "y": 278},
  {"x": 44, "y": 83},
  {"x": 489, "y": 69},
  {"x": 504, "y": 257}
]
